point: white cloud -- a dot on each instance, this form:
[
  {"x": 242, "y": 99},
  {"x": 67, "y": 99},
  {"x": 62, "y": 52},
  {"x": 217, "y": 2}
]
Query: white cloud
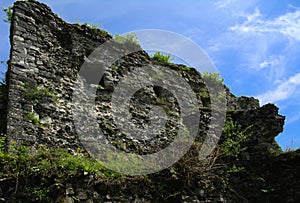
[
  {"x": 271, "y": 62},
  {"x": 287, "y": 25},
  {"x": 273, "y": 67},
  {"x": 223, "y": 3},
  {"x": 284, "y": 91}
]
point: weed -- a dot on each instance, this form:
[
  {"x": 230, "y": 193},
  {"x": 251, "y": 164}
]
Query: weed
[
  {"x": 144, "y": 58},
  {"x": 95, "y": 27},
  {"x": 115, "y": 68},
  {"x": 41, "y": 194},
  {"x": 2, "y": 143},
  {"x": 130, "y": 38},
  {"x": 36, "y": 93},
  {"x": 203, "y": 92},
  {"x": 235, "y": 169},
  {"x": 98, "y": 87},
  {"x": 214, "y": 78},
  {"x": 31, "y": 116},
  {"x": 184, "y": 68},
  {"x": 92, "y": 26},
  {"x": 162, "y": 100},
  {"x": 36, "y": 120},
  {"x": 9, "y": 13},
  {"x": 163, "y": 59},
  {"x": 234, "y": 138}
]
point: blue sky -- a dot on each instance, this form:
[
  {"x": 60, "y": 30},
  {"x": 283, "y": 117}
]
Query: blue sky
[{"x": 254, "y": 44}]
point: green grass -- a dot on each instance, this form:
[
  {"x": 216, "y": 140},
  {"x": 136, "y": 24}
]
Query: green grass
[{"x": 47, "y": 162}]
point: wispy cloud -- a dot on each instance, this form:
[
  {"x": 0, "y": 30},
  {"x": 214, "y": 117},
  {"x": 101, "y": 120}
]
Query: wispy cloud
[
  {"x": 271, "y": 62},
  {"x": 263, "y": 45},
  {"x": 287, "y": 24},
  {"x": 273, "y": 67},
  {"x": 283, "y": 91},
  {"x": 223, "y": 3}
]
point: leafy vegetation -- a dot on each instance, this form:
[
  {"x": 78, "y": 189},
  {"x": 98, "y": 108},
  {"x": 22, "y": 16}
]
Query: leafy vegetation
[
  {"x": 130, "y": 38},
  {"x": 234, "y": 138},
  {"x": 214, "y": 78},
  {"x": 2, "y": 142},
  {"x": 33, "y": 118},
  {"x": 92, "y": 26},
  {"x": 95, "y": 27},
  {"x": 41, "y": 170},
  {"x": 162, "y": 59},
  {"x": 184, "y": 68},
  {"x": 35, "y": 93},
  {"x": 18, "y": 160},
  {"x": 98, "y": 87},
  {"x": 9, "y": 13},
  {"x": 115, "y": 68}
]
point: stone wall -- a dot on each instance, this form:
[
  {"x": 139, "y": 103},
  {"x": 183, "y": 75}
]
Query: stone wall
[{"x": 46, "y": 54}]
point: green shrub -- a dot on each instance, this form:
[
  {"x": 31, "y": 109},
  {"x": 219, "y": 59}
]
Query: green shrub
[
  {"x": 95, "y": 27},
  {"x": 41, "y": 194},
  {"x": 184, "y": 68},
  {"x": 2, "y": 143},
  {"x": 35, "y": 93},
  {"x": 35, "y": 119},
  {"x": 214, "y": 78},
  {"x": 234, "y": 138},
  {"x": 9, "y": 13},
  {"x": 130, "y": 38},
  {"x": 92, "y": 26},
  {"x": 163, "y": 59},
  {"x": 115, "y": 68},
  {"x": 31, "y": 116}
]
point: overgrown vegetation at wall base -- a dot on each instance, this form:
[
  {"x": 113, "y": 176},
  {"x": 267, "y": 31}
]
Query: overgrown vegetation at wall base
[
  {"x": 51, "y": 168},
  {"x": 47, "y": 167}
]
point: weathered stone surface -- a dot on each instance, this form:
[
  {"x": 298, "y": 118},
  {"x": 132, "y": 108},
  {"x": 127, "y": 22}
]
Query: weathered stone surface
[{"x": 45, "y": 48}]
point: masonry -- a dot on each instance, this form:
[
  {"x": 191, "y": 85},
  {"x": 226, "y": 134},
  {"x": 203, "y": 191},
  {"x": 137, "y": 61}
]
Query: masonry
[{"x": 46, "y": 55}]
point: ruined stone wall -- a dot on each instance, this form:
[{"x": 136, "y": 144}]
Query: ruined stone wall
[{"x": 46, "y": 55}]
